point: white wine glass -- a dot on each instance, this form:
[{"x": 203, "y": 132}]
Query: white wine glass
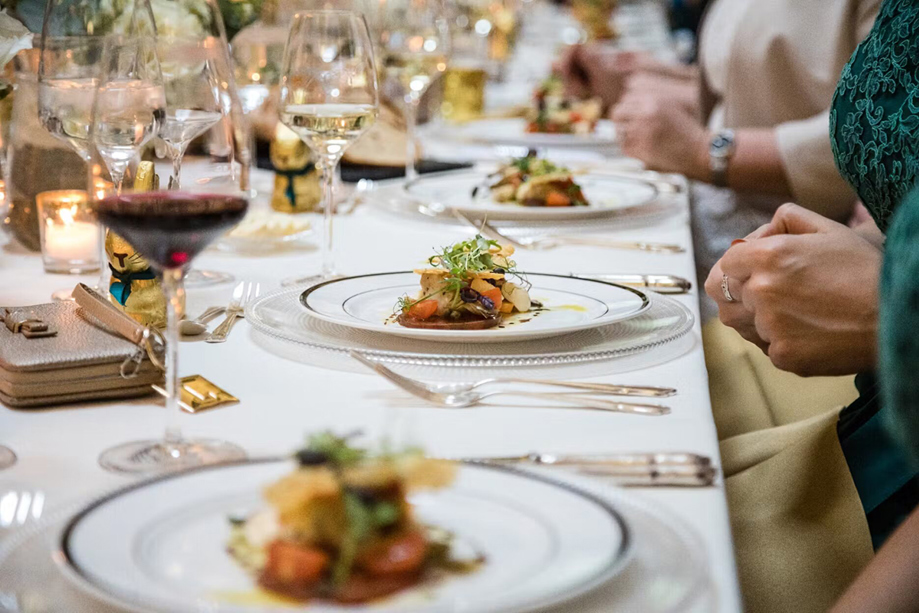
[
  {"x": 329, "y": 97},
  {"x": 72, "y": 41},
  {"x": 414, "y": 43},
  {"x": 129, "y": 105}
]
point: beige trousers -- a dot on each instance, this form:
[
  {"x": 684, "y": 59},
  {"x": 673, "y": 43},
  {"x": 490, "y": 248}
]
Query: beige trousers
[{"x": 800, "y": 534}]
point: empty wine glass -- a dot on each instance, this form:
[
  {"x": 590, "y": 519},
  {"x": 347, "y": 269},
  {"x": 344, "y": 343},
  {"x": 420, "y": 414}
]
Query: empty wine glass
[
  {"x": 73, "y": 35},
  {"x": 414, "y": 42},
  {"x": 328, "y": 96},
  {"x": 200, "y": 91},
  {"x": 129, "y": 104}
]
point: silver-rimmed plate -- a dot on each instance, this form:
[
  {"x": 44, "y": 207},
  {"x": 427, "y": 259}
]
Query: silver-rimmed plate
[
  {"x": 608, "y": 197},
  {"x": 160, "y": 545},
  {"x": 367, "y": 302},
  {"x": 512, "y": 131}
]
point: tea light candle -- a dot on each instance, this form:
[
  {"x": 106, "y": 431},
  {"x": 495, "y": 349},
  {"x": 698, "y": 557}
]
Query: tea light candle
[{"x": 69, "y": 238}]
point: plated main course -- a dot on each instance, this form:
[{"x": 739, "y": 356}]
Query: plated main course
[
  {"x": 466, "y": 287},
  {"x": 555, "y": 113},
  {"x": 534, "y": 182},
  {"x": 340, "y": 527}
]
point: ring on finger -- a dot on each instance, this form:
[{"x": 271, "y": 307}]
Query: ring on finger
[{"x": 726, "y": 290}]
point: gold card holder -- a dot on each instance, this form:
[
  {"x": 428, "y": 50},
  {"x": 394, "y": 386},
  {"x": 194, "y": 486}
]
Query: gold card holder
[{"x": 199, "y": 395}]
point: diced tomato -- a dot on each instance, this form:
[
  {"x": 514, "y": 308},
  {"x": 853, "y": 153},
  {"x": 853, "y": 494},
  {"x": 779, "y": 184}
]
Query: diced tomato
[
  {"x": 495, "y": 296},
  {"x": 423, "y": 309},
  {"x": 576, "y": 117},
  {"x": 292, "y": 564},
  {"x": 557, "y": 199},
  {"x": 396, "y": 555}
]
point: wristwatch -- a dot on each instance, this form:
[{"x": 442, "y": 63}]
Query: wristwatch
[{"x": 720, "y": 151}]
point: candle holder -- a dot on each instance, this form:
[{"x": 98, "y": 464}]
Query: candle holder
[{"x": 70, "y": 236}]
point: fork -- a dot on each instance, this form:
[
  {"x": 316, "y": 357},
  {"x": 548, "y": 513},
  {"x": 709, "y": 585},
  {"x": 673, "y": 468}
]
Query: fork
[
  {"x": 550, "y": 242},
  {"x": 600, "y": 388},
  {"x": 241, "y": 296},
  {"x": 464, "y": 399}
]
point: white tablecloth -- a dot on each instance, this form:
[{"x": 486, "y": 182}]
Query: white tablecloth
[{"x": 281, "y": 400}]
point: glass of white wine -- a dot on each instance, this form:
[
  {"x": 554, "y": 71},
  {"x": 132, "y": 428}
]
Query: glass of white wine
[
  {"x": 414, "y": 42},
  {"x": 329, "y": 96}
]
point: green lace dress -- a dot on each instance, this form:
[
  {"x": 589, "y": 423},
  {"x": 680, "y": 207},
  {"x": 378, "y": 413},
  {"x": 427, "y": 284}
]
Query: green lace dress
[{"x": 874, "y": 129}]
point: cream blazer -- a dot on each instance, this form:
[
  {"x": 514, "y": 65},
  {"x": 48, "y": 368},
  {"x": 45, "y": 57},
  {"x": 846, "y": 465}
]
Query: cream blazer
[{"x": 775, "y": 63}]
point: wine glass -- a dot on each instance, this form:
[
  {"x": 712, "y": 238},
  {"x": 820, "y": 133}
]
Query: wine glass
[
  {"x": 414, "y": 43},
  {"x": 328, "y": 96},
  {"x": 200, "y": 90},
  {"x": 169, "y": 229},
  {"x": 73, "y": 35},
  {"x": 129, "y": 104}
]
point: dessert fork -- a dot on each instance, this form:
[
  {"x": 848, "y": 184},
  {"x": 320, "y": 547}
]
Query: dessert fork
[
  {"x": 550, "y": 242},
  {"x": 241, "y": 296},
  {"x": 464, "y": 399}
]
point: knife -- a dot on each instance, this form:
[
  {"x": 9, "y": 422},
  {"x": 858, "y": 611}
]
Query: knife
[{"x": 662, "y": 284}]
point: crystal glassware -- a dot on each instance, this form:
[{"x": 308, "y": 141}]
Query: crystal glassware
[
  {"x": 169, "y": 229},
  {"x": 72, "y": 44},
  {"x": 329, "y": 96},
  {"x": 201, "y": 94},
  {"x": 414, "y": 44}
]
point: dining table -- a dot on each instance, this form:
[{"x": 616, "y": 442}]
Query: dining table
[{"x": 286, "y": 392}]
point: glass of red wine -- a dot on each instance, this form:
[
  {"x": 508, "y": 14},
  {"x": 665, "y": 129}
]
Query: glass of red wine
[{"x": 169, "y": 229}]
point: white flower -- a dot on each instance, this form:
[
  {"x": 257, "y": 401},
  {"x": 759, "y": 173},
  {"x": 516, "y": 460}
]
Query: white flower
[{"x": 14, "y": 37}]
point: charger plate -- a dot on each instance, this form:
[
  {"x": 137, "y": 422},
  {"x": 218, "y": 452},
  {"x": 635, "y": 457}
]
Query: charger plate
[
  {"x": 280, "y": 315},
  {"x": 668, "y": 571}
]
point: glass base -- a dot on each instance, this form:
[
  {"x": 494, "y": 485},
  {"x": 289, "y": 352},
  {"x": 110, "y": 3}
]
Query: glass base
[
  {"x": 150, "y": 457},
  {"x": 7, "y": 457},
  {"x": 202, "y": 278}
]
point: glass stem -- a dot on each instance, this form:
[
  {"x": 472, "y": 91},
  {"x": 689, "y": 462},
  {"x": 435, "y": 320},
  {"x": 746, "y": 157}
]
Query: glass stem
[
  {"x": 411, "y": 149},
  {"x": 175, "y": 294},
  {"x": 176, "y": 153},
  {"x": 103, "y": 263},
  {"x": 328, "y": 212}
]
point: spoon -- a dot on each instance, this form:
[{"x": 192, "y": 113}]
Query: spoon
[{"x": 194, "y": 327}]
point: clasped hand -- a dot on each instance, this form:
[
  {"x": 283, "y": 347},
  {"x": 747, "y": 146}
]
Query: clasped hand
[{"x": 805, "y": 291}]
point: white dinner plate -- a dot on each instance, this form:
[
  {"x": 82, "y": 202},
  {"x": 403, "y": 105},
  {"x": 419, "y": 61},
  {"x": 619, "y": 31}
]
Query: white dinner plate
[
  {"x": 512, "y": 131},
  {"x": 161, "y": 545},
  {"x": 367, "y": 302},
  {"x": 608, "y": 197}
]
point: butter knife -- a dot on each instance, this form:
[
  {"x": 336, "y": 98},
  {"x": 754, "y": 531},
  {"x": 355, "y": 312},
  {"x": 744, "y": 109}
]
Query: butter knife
[{"x": 662, "y": 284}]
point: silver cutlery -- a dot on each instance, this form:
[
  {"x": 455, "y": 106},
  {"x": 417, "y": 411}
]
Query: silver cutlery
[
  {"x": 198, "y": 325},
  {"x": 550, "y": 242},
  {"x": 464, "y": 399},
  {"x": 662, "y": 284},
  {"x": 598, "y": 388},
  {"x": 242, "y": 293},
  {"x": 628, "y": 469}
]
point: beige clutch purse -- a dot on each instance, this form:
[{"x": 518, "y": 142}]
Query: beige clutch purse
[{"x": 67, "y": 352}]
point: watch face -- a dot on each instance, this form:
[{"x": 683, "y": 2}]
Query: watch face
[{"x": 719, "y": 142}]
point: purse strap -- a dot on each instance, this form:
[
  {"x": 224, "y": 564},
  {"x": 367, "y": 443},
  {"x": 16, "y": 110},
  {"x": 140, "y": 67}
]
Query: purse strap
[{"x": 148, "y": 340}]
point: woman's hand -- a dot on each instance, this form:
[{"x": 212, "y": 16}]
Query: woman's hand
[
  {"x": 806, "y": 292},
  {"x": 664, "y": 135}
]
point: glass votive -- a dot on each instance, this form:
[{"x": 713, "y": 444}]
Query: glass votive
[{"x": 70, "y": 236}]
